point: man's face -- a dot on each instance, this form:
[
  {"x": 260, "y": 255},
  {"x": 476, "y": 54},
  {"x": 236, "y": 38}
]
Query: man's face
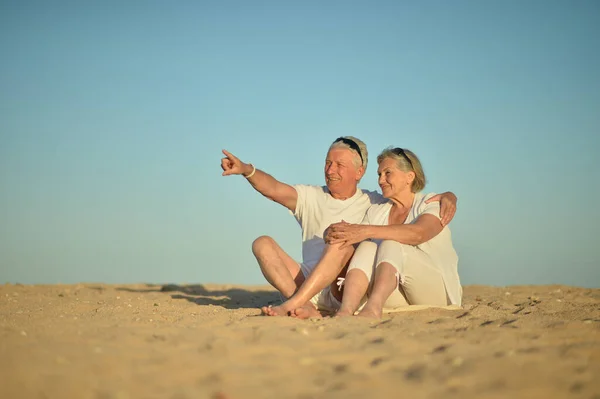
[{"x": 341, "y": 176}]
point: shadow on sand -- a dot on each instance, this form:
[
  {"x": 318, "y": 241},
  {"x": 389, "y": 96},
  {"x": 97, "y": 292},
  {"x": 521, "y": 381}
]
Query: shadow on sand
[{"x": 232, "y": 298}]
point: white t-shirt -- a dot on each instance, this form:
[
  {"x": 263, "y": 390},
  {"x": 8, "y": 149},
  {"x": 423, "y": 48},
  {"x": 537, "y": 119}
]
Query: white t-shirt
[
  {"x": 316, "y": 210},
  {"x": 439, "y": 248}
]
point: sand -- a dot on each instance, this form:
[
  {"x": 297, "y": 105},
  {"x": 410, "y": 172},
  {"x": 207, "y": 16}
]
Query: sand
[{"x": 208, "y": 341}]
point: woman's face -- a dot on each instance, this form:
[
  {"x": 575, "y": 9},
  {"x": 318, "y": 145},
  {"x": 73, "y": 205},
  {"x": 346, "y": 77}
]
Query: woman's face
[{"x": 392, "y": 180}]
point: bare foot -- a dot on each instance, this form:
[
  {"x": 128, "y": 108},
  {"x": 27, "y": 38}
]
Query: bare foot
[
  {"x": 265, "y": 310},
  {"x": 370, "y": 313},
  {"x": 343, "y": 313},
  {"x": 306, "y": 312},
  {"x": 274, "y": 311}
]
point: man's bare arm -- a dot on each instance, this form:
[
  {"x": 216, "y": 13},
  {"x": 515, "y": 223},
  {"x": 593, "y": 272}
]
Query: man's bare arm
[{"x": 262, "y": 182}]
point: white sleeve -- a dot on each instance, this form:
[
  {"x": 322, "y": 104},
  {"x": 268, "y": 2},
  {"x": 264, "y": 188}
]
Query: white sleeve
[
  {"x": 433, "y": 208},
  {"x": 306, "y": 197}
]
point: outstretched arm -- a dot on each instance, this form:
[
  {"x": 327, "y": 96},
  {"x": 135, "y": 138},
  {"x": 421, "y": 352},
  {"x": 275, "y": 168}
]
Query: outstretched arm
[
  {"x": 262, "y": 182},
  {"x": 447, "y": 206}
]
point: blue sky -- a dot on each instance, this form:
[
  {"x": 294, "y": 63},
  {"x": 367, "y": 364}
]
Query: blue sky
[{"x": 113, "y": 116}]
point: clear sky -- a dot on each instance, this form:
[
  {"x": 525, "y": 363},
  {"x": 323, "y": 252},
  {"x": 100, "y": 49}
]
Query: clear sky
[{"x": 113, "y": 115}]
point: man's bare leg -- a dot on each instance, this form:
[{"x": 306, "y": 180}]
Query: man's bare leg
[
  {"x": 385, "y": 283},
  {"x": 355, "y": 288},
  {"x": 324, "y": 273},
  {"x": 280, "y": 270},
  {"x": 309, "y": 310}
]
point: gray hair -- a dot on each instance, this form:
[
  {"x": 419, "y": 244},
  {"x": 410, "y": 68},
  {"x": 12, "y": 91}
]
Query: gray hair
[
  {"x": 363, "y": 151},
  {"x": 410, "y": 163}
]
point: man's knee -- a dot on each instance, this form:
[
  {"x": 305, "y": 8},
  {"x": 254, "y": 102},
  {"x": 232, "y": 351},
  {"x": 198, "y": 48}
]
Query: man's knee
[
  {"x": 261, "y": 244},
  {"x": 337, "y": 251}
]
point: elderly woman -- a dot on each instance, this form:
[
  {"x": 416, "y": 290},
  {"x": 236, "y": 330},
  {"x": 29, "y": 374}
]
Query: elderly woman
[{"x": 405, "y": 256}]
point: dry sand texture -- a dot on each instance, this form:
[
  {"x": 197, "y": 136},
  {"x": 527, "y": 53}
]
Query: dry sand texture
[{"x": 138, "y": 341}]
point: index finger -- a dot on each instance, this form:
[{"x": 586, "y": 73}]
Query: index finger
[{"x": 228, "y": 154}]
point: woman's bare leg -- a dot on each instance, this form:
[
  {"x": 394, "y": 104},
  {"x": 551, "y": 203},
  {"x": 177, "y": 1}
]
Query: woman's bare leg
[
  {"x": 385, "y": 283},
  {"x": 355, "y": 288},
  {"x": 358, "y": 277}
]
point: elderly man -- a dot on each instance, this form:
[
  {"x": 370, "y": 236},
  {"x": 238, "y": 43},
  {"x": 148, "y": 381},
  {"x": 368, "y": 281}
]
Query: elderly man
[{"x": 316, "y": 208}]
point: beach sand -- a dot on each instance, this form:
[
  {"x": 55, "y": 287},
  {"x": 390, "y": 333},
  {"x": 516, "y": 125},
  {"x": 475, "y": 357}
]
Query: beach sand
[{"x": 208, "y": 341}]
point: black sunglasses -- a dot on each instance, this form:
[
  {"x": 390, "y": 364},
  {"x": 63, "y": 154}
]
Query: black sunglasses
[
  {"x": 352, "y": 145},
  {"x": 400, "y": 151}
]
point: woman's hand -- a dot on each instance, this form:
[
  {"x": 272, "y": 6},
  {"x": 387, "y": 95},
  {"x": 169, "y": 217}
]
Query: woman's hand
[{"x": 345, "y": 233}]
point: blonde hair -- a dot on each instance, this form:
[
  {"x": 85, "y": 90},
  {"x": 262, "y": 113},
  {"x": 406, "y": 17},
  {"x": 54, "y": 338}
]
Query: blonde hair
[
  {"x": 406, "y": 161},
  {"x": 363, "y": 150}
]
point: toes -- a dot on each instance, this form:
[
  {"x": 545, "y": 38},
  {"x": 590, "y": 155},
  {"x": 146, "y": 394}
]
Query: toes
[
  {"x": 273, "y": 311},
  {"x": 267, "y": 310}
]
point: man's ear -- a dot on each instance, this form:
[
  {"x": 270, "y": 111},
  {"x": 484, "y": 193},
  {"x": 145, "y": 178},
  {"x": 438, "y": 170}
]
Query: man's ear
[{"x": 360, "y": 173}]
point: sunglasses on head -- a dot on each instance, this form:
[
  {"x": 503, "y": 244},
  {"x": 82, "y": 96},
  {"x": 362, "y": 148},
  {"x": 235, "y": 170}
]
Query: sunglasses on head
[
  {"x": 352, "y": 145},
  {"x": 400, "y": 152}
]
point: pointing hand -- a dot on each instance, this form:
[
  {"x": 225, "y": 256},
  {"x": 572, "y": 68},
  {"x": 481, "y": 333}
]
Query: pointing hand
[{"x": 231, "y": 165}]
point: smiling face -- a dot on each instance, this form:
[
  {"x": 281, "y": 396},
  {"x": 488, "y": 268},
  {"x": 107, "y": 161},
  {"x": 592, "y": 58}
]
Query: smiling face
[
  {"x": 392, "y": 180},
  {"x": 341, "y": 174}
]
